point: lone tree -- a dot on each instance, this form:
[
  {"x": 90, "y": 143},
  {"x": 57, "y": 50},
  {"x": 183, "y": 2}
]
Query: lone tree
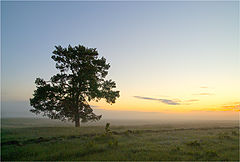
[{"x": 81, "y": 79}]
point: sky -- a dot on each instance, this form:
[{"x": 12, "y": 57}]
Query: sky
[{"x": 175, "y": 59}]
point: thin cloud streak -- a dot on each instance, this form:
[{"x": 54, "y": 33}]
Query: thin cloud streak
[
  {"x": 204, "y": 94},
  {"x": 233, "y": 107},
  {"x": 165, "y": 101},
  {"x": 168, "y": 101},
  {"x": 193, "y": 100}
]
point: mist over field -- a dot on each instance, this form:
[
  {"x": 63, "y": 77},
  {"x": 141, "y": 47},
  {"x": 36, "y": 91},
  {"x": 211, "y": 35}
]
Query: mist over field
[{"x": 45, "y": 139}]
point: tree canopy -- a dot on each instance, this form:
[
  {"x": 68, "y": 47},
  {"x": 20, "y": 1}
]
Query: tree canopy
[{"x": 81, "y": 79}]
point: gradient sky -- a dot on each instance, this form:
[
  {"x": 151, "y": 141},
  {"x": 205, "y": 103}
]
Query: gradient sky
[{"x": 166, "y": 57}]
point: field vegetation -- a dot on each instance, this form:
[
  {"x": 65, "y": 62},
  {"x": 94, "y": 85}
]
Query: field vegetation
[{"x": 42, "y": 139}]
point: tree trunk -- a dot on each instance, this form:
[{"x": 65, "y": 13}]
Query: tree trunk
[{"x": 77, "y": 120}]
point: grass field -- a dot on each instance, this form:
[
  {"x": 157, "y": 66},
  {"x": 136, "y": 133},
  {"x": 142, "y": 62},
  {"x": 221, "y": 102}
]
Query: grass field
[{"x": 42, "y": 139}]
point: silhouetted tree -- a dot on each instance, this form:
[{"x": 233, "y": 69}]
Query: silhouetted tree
[{"x": 67, "y": 94}]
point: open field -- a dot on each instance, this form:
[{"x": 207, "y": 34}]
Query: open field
[{"x": 42, "y": 139}]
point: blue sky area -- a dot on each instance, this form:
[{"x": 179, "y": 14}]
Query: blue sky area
[{"x": 159, "y": 46}]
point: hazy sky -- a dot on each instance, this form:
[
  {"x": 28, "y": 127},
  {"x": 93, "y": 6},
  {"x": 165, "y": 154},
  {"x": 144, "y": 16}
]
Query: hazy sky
[{"x": 166, "y": 57}]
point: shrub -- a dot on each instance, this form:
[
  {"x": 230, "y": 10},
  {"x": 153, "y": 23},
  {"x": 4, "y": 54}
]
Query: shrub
[
  {"x": 211, "y": 153},
  {"x": 224, "y": 136},
  {"x": 113, "y": 143},
  {"x": 108, "y": 132},
  {"x": 234, "y": 133},
  {"x": 175, "y": 149},
  {"x": 90, "y": 144},
  {"x": 193, "y": 143}
]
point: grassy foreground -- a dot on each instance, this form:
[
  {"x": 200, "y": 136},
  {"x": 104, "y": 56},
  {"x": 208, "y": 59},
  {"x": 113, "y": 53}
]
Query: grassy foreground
[{"x": 28, "y": 139}]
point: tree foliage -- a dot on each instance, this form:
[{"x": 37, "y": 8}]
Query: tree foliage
[{"x": 81, "y": 79}]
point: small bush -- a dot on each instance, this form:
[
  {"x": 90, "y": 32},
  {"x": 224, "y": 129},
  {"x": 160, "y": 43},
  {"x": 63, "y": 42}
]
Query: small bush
[
  {"x": 128, "y": 132},
  {"x": 102, "y": 138},
  {"x": 211, "y": 153},
  {"x": 194, "y": 143},
  {"x": 224, "y": 136},
  {"x": 90, "y": 144},
  {"x": 136, "y": 131},
  {"x": 108, "y": 132},
  {"x": 113, "y": 143},
  {"x": 234, "y": 133},
  {"x": 175, "y": 149}
]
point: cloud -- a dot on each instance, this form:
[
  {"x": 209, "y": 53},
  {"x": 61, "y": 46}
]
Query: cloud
[
  {"x": 232, "y": 107},
  {"x": 145, "y": 98},
  {"x": 204, "y": 94},
  {"x": 192, "y": 100},
  {"x": 165, "y": 101},
  {"x": 169, "y": 102}
]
